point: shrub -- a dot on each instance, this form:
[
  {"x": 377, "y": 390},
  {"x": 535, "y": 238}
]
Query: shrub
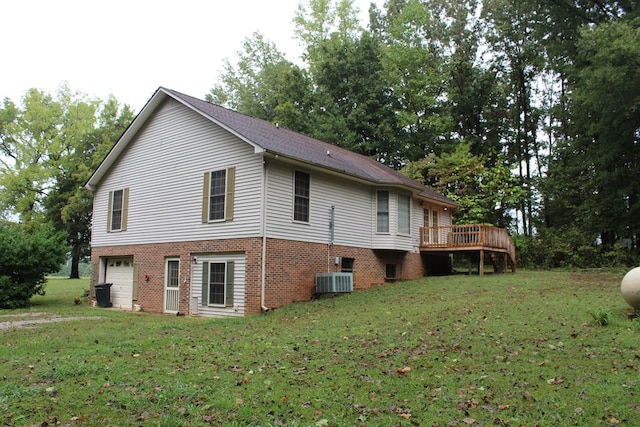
[
  {"x": 601, "y": 317},
  {"x": 27, "y": 255}
]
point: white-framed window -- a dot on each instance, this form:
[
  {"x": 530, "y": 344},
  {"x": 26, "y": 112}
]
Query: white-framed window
[
  {"x": 404, "y": 213},
  {"x": 173, "y": 273},
  {"x": 382, "y": 211},
  {"x": 301, "y": 196},
  {"x": 217, "y": 283},
  {"x": 172, "y": 286},
  {"x": 218, "y": 195},
  {"x": 118, "y": 210}
]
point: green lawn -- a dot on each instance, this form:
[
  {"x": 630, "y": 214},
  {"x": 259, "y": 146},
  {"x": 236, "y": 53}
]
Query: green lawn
[{"x": 515, "y": 349}]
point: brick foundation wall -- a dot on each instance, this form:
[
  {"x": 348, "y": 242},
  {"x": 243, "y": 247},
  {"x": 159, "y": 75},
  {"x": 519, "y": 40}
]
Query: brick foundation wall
[
  {"x": 290, "y": 276},
  {"x": 150, "y": 261}
]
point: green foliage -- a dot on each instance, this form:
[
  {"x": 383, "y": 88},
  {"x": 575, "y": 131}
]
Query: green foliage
[
  {"x": 49, "y": 146},
  {"x": 522, "y": 112},
  {"x": 485, "y": 193},
  {"x": 28, "y": 254},
  {"x": 570, "y": 247},
  {"x": 355, "y": 99},
  {"x": 261, "y": 82},
  {"x": 601, "y": 316},
  {"x": 606, "y": 82}
]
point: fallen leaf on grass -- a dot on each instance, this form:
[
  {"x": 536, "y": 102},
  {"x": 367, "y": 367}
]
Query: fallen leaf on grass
[
  {"x": 404, "y": 370},
  {"x": 555, "y": 381},
  {"x": 469, "y": 421},
  {"x": 405, "y": 416}
]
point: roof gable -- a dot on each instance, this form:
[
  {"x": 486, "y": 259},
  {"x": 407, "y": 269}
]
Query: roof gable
[{"x": 267, "y": 137}]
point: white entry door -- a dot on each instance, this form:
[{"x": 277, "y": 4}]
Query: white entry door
[
  {"x": 120, "y": 274},
  {"x": 172, "y": 286}
]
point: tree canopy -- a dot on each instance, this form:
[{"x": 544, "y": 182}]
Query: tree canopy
[
  {"x": 49, "y": 146},
  {"x": 524, "y": 113}
]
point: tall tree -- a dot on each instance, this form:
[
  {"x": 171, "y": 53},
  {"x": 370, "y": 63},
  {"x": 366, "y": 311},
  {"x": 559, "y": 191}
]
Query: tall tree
[
  {"x": 605, "y": 146},
  {"x": 30, "y": 147},
  {"x": 511, "y": 37},
  {"x": 486, "y": 194},
  {"x": 67, "y": 205},
  {"x": 355, "y": 105},
  {"x": 264, "y": 84},
  {"x": 415, "y": 63},
  {"x": 49, "y": 147}
]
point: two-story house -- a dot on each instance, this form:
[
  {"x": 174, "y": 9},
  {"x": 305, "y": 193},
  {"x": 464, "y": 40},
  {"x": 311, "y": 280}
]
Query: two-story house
[{"x": 202, "y": 210}]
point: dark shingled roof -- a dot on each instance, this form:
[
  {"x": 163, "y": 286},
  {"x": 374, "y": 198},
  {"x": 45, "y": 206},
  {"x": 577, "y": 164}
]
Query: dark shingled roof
[{"x": 285, "y": 142}]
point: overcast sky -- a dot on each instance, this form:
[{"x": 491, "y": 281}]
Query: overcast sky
[{"x": 129, "y": 48}]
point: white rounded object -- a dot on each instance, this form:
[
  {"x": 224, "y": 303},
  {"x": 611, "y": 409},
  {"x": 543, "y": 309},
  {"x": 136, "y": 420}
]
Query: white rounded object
[{"x": 630, "y": 288}]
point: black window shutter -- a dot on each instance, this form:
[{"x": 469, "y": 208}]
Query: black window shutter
[
  {"x": 229, "y": 284},
  {"x": 205, "y": 283},
  {"x": 205, "y": 197},
  {"x": 125, "y": 209},
  {"x": 231, "y": 183},
  {"x": 110, "y": 213}
]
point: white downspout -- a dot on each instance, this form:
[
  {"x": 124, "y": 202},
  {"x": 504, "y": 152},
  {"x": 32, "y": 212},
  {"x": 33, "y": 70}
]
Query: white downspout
[{"x": 263, "y": 279}]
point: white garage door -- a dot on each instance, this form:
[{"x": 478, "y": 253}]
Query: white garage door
[{"x": 120, "y": 273}]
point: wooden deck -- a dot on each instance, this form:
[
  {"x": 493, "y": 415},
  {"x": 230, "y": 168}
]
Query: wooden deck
[{"x": 470, "y": 238}]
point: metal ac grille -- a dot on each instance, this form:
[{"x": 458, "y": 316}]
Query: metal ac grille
[{"x": 334, "y": 282}]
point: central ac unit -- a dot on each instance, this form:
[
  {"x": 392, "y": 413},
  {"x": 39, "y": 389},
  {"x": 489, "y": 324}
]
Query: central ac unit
[{"x": 334, "y": 282}]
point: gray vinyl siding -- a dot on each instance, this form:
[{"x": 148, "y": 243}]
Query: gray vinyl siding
[
  {"x": 238, "y": 307},
  {"x": 352, "y": 202},
  {"x": 392, "y": 239},
  {"x": 355, "y": 212},
  {"x": 446, "y": 217},
  {"x": 163, "y": 169}
]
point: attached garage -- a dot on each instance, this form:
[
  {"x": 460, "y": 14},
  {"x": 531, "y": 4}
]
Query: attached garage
[{"x": 120, "y": 272}]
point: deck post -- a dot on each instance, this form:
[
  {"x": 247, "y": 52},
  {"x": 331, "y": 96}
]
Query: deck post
[{"x": 481, "y": 263}]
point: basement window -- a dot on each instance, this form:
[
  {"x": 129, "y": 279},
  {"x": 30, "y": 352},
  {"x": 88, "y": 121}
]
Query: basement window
[{"x": 347, "y": 265}]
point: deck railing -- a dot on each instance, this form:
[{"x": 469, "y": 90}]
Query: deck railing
[{"x": 469, "y": 236}]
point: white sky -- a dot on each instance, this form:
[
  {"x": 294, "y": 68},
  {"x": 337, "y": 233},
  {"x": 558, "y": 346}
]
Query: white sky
[{"x": 129, "y": 48}]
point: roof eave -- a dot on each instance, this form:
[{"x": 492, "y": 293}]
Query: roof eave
[
  {"x": 124, "y": 140},
  {"x": 150, "y": 107},
  {"x": 416, "y": 190}
]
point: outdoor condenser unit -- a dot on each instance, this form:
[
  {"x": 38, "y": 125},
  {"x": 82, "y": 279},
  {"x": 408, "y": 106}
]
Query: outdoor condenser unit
[{"x": 334, "y": 282}]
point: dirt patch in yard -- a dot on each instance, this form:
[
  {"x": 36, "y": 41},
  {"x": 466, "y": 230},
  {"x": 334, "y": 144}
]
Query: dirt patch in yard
[{"x": 46, "y": 318}]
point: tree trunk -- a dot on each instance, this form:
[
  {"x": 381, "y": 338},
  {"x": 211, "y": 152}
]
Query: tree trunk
[{"x": 75, "y": 264}]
